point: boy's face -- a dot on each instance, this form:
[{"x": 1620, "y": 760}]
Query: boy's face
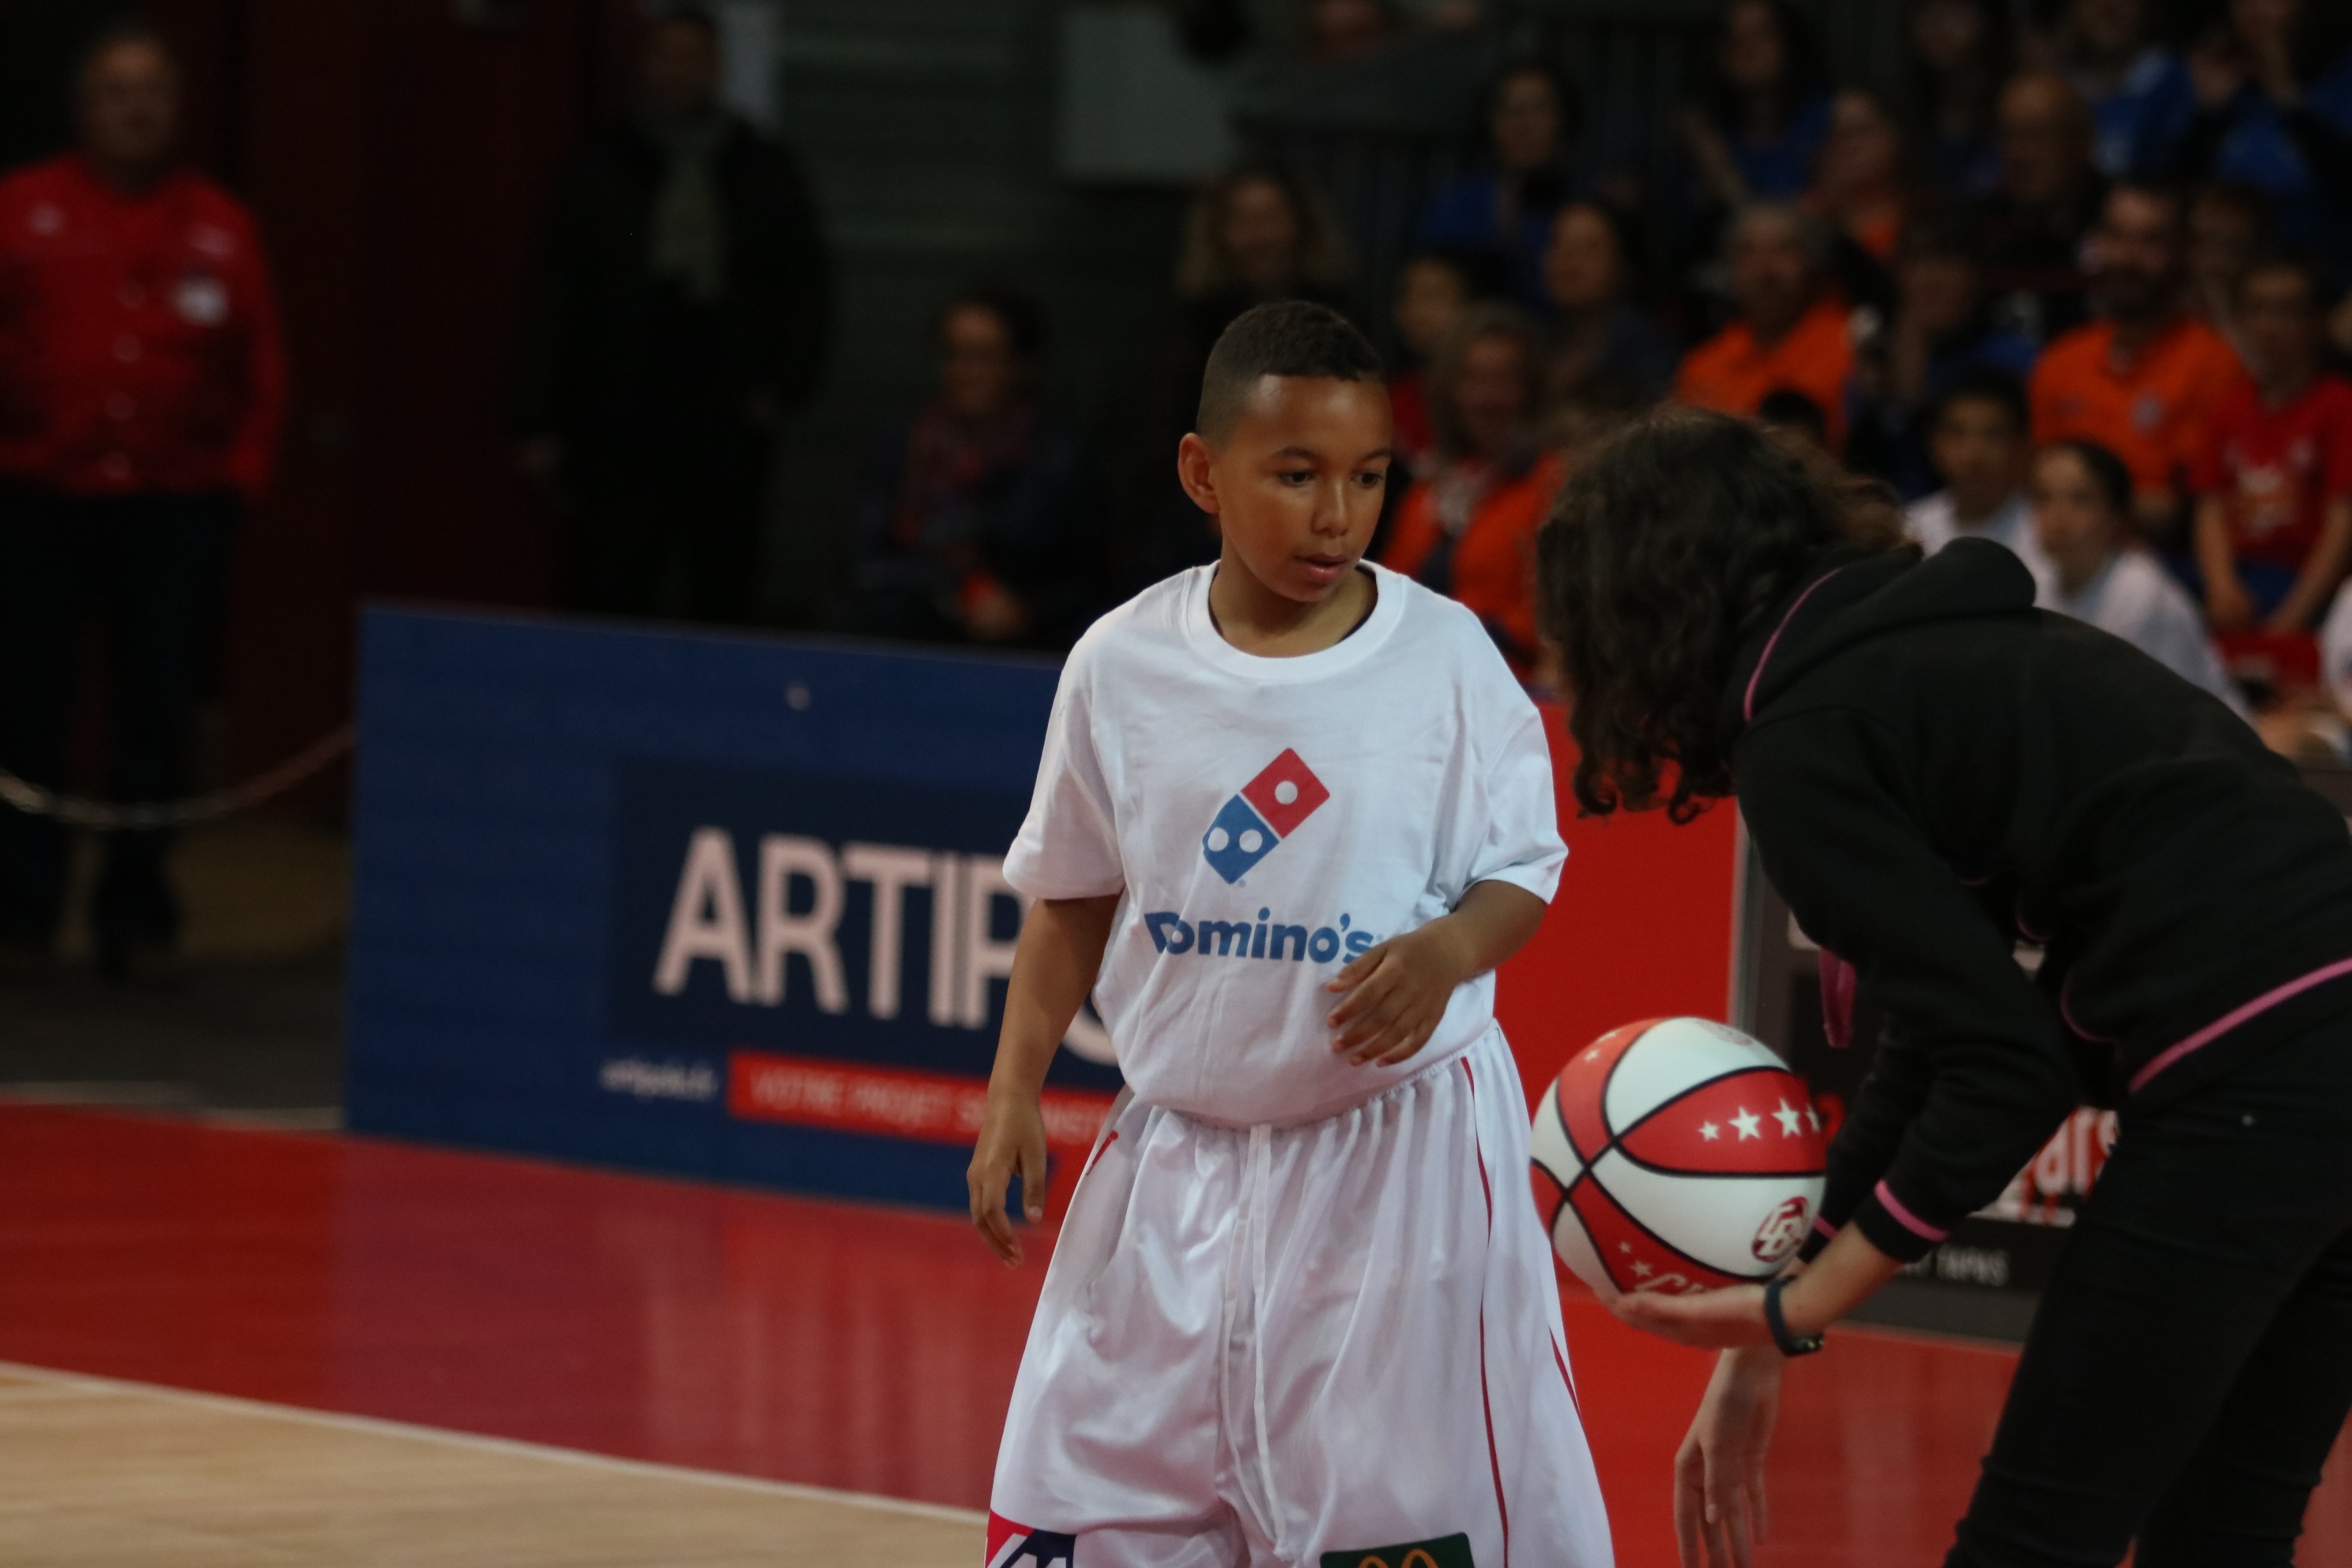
[
  {"x": 2077, "y": 528},
  {"x": 1980, "y": 452},
  {"x": 2281, "y": 323},
  {"x": 1296, "y": 485}
]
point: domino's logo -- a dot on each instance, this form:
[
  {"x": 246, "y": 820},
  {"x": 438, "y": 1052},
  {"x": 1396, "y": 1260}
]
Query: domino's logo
[{"x": 1268, "y": 810}]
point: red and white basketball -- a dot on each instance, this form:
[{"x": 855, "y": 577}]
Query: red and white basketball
[{"x": 1676, "y": 1156}]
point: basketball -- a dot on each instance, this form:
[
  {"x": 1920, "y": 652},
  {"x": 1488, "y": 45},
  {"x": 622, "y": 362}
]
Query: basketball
[{"x": 1676, "y": 1156}]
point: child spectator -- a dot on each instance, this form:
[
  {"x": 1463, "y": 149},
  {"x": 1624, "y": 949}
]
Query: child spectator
[
  {"x": 974, "y": 524},
  {"x": 1789, "y": 331},
  {"x": 1794, "y": 415},
  {"x": 1978, "y": 436},
  {"x": 1293, "y": 1315},
  {"x": 2274, "y": 101},
  {"x": 2046, "y": 202},
  {"x": 2139, "y": 92},
  {"x": 1531, "y": 118},
  {"x": 1765, "y": 111},
  {"x": 1943, "y": 330},
  {"x": 1468, "y": 531},
  {"x": 2095, "y": 571},
  {"x": 2274, "y": 485},
  {"x": 1962, "y": 50},
  {"x": 1599, "y": 338},
  {"x": 2142, "y": 381}
]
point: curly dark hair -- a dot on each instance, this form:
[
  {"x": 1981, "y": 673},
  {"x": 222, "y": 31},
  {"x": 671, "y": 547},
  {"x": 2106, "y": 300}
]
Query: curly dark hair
[{"x": 1667, "y": 551}]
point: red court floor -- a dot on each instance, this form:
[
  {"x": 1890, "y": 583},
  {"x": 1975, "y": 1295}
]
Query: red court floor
[{"x": 864, "y": 1349}]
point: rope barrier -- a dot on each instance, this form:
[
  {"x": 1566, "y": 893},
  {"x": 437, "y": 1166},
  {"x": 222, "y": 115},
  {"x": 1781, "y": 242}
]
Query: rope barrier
[{"x": 106, "y": 817}]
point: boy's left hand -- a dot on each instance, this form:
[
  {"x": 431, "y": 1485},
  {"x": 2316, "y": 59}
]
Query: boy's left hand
[{"x": 1395, "y": 994}]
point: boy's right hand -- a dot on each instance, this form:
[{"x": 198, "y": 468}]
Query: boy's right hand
[{"x": 1012, "y": 1143}]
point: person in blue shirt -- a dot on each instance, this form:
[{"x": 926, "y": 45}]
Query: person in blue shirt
[
  {"x": 2274, "y": 98},
  {"x": 1765, "y": 111},
  {"x": 2139, "y": 92},
  {"x": 1941, "y": 332},
  {"x": 1531, "y": 123}
]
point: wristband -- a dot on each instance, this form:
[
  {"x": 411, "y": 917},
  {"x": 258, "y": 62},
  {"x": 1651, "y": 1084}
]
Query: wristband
[{"x": 1789, "y": 1344}]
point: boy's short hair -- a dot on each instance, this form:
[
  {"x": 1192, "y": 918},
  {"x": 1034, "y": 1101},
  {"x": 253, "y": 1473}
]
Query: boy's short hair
[
  {"x": 1289, "y": 338},
  {"x": 1986, "y": 383}
]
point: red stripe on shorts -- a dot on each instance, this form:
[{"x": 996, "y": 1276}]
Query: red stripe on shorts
[{"x": 1485, "y": 1399}]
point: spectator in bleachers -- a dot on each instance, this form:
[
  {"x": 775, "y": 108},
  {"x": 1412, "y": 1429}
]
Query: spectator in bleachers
[
  {"x": 2143, "y": 380},
  {"x": 1977, "y": 432},
  {"x": 2274, "y": 112},
  {"x": 2225, "y": 235},
  {"x": 2044, "y": 204},
  {"x": 1468, "y": 531},
  {"x": 2275, "y": 481},
  {"x": 1530, "y": 119},
  {"x": 2139, "y": 92},
  {"x": 1432, "y": 291},
  {"x": 1963, "y": 52},
  {"x": 1789, "y": 330},
  {"x": 1251, "y": 236},
  {"x": 974, "y": 525},
  {"x": 1865, "y": 184},
  {"x": 1599, "y": 338},
  {"x": 2097, "y": 572},
  {"x": 142, "y": 386},
  {"x": 678, "y": 308},
  {"x": 1942, "y": 329},
  {"x": 1764, "y": 112}
]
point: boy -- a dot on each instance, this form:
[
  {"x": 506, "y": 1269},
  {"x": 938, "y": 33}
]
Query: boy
[
  {"x": 1977, "y": 439},
  {"x": 1293, "y": 811},
  {"x": 2275, "y": 487}
]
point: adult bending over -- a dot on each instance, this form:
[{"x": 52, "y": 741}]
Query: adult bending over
[{"x": 1933, "y": 770}]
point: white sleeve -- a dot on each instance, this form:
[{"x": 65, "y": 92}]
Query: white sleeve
[
  {"x": 1069, "y": 845},
  {"x": 1519, "y": 839}
]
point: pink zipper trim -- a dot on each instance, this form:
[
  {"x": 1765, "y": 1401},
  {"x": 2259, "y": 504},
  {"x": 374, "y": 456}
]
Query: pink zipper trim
[
  {"x": 1905, "y": 1218},
  {"x": 2229, "y": 1021},
  {"x": 1747, "y": 703},
  {"x": 1825, "y": 1227}
]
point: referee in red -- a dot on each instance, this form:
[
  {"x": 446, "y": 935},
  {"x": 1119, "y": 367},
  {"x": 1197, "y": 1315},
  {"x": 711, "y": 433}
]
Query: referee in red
[{"x": 140, "y": 386}]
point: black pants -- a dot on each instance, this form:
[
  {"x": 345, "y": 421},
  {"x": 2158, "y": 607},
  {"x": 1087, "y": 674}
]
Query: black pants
[
  {"x": 148, "y": 572},
  {"x": 682, "y": 502},
  {"x": 2191, "y": 1364}
]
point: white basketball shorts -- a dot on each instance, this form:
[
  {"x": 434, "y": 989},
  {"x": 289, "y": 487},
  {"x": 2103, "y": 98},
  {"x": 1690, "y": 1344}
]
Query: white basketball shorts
[{"x": 1336, "y": 1343}]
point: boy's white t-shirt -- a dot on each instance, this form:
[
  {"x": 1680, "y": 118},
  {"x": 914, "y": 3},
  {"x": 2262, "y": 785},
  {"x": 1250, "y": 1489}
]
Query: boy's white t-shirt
[{"x": 1269, "y": 819}]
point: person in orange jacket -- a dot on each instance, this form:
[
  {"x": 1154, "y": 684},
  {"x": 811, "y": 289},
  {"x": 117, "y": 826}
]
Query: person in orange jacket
[
  {"x": 142, "y": 384},
  {"x": 1467, "y": 531}
]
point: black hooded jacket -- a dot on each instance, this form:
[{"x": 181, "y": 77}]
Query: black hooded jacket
[{"x": 1933, "y": 770}]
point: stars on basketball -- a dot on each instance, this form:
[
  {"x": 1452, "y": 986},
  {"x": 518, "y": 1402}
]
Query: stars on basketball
[{"x": 1794, "y": 1123}]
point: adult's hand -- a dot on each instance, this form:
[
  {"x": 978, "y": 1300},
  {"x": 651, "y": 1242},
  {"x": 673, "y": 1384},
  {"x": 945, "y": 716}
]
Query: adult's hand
[{"x": 1719, "y": 1507}]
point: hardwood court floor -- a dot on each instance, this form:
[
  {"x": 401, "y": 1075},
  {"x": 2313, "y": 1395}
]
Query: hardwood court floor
[
  {"x": 744, "y": 1335},
  {"x": 112, "y": 1475}
]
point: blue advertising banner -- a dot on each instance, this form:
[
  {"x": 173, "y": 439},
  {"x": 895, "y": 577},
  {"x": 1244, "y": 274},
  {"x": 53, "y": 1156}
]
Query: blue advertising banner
[{"x": 717, "y": 905}]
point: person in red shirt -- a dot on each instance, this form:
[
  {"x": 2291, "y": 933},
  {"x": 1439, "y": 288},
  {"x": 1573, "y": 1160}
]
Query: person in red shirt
[
  {"x": 141, "y": 385},
  {"x": 2141, "y": 381},
  {"x": 1791, "y": 334},
  {"x": 2274, "y": 482},
  {"x": 1468, "y": 529}
]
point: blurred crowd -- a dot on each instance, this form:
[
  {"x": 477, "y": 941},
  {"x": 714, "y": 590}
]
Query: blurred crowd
[{"x": 2075, "y": 283}]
